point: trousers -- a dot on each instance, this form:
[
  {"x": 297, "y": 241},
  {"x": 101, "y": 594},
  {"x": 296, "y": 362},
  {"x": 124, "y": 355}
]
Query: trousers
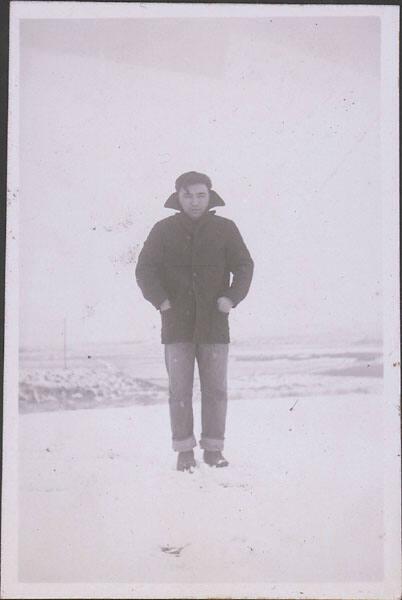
[{"x": 212, "y": 360}]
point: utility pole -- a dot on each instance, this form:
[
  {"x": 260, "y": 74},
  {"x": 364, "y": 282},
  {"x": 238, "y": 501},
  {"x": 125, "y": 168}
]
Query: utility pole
[{"x": 64, "y": 343}]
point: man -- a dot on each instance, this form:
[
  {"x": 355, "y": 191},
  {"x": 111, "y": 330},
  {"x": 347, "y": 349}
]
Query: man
[{"x": 184, "y": 269}]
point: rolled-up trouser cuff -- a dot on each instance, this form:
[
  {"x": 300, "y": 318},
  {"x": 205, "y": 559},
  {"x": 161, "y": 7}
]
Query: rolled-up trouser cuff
[
  {"x": 211, "y": 445},
  {"x": 184, "y": 445}
]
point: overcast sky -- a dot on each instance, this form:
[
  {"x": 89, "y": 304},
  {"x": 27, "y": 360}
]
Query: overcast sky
[{"x": 282, "y": 113}]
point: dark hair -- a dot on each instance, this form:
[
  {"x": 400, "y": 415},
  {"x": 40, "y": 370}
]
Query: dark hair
[{"x": 191, "y": 178}]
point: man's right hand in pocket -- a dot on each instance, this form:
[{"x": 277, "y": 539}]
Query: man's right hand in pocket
[{"x": 165, "y": 305}]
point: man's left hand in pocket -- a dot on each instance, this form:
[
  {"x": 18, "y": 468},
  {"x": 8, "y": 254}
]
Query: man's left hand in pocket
[{"x": 224, "y": 304}]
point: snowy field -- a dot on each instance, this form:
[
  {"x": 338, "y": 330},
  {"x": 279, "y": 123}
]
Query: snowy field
[
  {"x": 100, "y": 500},
  {"x": 126, "y": 374}
]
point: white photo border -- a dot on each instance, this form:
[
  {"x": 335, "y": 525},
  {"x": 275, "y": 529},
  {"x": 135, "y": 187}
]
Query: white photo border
[{"x": 390, "y": 587}]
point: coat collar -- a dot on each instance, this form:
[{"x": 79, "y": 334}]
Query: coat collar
[
  {"x": 193, "y": 225},
  {"x": 214, "y": 200}
]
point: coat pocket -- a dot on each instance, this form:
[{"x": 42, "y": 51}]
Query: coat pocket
[
  {"x": 166, "y": 316},
  {"x": 220, "y": 322}
]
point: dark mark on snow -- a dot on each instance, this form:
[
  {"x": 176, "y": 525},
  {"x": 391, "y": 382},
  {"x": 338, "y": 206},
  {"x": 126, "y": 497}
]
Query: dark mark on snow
[
  {"x": 243, "y": 486},
  {"x": 173, "y": 550}
]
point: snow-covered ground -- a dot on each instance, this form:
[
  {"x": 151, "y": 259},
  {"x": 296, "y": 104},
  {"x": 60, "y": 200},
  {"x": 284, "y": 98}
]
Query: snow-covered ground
[
  {"x": 302, "y": 501},
  {"x": 100, "y": 500}
]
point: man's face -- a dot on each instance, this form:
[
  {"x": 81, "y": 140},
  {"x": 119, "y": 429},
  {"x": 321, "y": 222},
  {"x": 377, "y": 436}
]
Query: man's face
[{"x": 194, "y": 199}]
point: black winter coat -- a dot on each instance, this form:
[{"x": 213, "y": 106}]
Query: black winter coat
[{"x": 190, "y": 262}]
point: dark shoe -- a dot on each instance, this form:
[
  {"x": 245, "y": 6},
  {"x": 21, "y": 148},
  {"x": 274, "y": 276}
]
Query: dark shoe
[
  {"x": 186, "y": 461},
  {"x": 215, "y": 459}
]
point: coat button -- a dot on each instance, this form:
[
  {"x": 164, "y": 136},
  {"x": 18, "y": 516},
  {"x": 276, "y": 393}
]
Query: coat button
[{"x": 194, "y": 274}]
